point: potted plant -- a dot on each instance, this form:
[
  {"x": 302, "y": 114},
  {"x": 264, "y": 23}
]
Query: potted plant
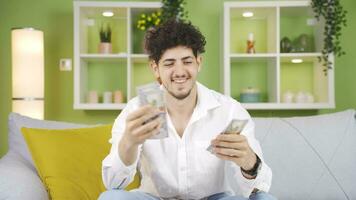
[{"x": 105, "y": 40}]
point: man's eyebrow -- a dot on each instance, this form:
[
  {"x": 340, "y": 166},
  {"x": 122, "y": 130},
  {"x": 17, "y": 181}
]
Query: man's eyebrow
[
  {"x": 187, "y": 57},
  {"x": 172, "y": 59},
  {"x": 169, "y": 60}
]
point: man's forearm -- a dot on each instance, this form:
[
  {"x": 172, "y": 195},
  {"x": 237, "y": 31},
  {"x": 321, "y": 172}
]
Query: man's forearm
[{"x": 127, "y": 153}]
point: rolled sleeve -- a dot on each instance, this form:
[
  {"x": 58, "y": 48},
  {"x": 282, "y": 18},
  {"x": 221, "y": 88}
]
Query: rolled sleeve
[
  {"x": 119, "y": 167},
  {"x": 240, "y": 184},
  {"x": 264, "y": 178},
  {"x": 115, "y": 174},
  {"x": 246, "y": 186}
]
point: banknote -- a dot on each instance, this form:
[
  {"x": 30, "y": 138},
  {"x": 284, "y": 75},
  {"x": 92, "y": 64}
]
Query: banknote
[
  {"x": 152, "y": 94},
  {"x": 234, "y": 127}
]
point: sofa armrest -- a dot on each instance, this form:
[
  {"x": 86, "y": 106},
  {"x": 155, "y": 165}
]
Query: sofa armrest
[{"x": 18, "y": 180}]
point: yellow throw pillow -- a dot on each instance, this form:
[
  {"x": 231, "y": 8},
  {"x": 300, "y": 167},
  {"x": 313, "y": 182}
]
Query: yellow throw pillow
[{"x": 69, "y": 160}]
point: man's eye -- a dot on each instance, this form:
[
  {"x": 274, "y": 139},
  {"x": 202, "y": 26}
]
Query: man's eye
[
  {"x": 188, "y": 62},
  {"x": 168, "y": 64}
]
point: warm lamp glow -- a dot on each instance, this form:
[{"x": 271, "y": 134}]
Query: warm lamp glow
[
  {"x": 297, "y": 60},
  {"x": 108, "y": 13},
  {"x": 247, "y": 14},
  {"x": 27, "y": 72},
  {"x": 33, "y": 109}
]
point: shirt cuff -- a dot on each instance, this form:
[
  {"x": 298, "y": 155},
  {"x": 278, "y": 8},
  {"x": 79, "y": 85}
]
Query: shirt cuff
[
  {"x": 263, "y": 178},
  {"x": 248, "y": 185},
  {"x": 119, "y": 166}
]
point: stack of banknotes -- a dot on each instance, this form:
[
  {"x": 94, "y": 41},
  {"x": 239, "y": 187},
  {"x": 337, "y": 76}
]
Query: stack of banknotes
[
  {"x": 235, "y": 127},
  {"x": 152, "y": 94}
]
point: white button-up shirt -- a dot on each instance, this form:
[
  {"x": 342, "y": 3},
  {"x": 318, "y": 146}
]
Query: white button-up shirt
[{"x": 181, "y": 167}]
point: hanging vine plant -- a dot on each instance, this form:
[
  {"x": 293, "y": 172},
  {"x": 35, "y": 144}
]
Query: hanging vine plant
[{"x": 335, "y": 19}]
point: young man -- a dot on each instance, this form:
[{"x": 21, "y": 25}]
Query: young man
[{"x": 179, "y": 166}]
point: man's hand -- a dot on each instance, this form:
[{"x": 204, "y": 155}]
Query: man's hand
[
  {"x": 137, "y": 131},
  {"x": 234, "y": 147}
]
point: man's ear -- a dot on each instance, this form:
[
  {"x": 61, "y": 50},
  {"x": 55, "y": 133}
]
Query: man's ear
[
  {"x": 199, "y": 62},
  {"x": 154, "y": 68}
]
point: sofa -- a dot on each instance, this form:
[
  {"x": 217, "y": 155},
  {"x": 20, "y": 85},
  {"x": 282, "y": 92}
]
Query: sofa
[{"x": 311, "y": 157}]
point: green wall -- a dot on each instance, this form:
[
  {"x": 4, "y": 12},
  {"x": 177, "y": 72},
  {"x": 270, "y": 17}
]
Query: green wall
[{"x": 55, "y": 18}]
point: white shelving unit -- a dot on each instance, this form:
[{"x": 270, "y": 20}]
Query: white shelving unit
[
  {"x": 269, "y": 69},
  {"x": 122, "y": 66}
]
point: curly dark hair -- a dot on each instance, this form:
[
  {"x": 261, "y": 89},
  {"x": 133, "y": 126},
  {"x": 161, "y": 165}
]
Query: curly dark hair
[{"x": 170, "y": 34}]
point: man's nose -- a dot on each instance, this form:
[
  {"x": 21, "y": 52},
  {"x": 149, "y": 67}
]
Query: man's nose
[{"x": 179, "y": 68}]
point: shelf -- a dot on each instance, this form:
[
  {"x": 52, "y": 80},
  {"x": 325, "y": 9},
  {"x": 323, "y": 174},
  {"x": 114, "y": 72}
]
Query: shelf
[
  {"x": 237, "y": 57},
  {"x": 275, "y": 69},
  {"x": 141, "y": 58},
  {"x": 287, "y": 106},
  {"x": 102, "y": 76},
  {"x": 91, "y": 23},
  {"x": 272, "y": 55},
  {"x": 259, "y": 73},
  {"x": 307, "y": 76},
  {"x": 92, "y": 11},
  {"x": 262, "y": 25},
  {"x": 101, "y": 57},
  {"x": 253, "y": 55},
  {"x": 100, "y": 106},
  {"x": 302, "y": 58},
  {"x": 124, "y": 68},
  {"x": 301, "y": 28},
  {"x": 300, "y": 54}
]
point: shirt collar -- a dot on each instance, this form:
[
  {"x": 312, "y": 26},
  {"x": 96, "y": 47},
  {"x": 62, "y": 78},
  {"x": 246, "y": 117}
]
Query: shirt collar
[
  {"x": 205, "y": 102},
  {"x": 206, "y": 99}
]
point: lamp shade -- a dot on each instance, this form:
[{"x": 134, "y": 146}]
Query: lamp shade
[{"x": 28, "y": 72}]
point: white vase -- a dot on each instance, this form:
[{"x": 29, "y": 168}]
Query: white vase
[
  {"x": 301, "y": 97},
  {"x": 93, "y": 97},
  {"x": 309, "y": 98},
  {"x": 118, "y": 98},
  {"x": 105, "y": 47},
  {"x": 288, "y": 97},
  {"x": 107, "y": 97}
]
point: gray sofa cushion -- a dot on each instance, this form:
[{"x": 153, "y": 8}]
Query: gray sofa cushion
[
  {"x": 311, "y": 157},
  {"x": 18, "y": 181},
  {"x": 18, "y": 176}
]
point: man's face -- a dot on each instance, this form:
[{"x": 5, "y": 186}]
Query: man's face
[{"x": 177, "y": 69}]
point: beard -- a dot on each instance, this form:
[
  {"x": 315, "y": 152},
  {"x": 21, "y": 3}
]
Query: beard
[
  {"x": 170, "y": 90},
  {"x": 180, "y": 96}
]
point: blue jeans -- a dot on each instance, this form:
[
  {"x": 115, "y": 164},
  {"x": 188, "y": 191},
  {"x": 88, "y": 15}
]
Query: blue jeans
[{"x": 126, "y": 195}]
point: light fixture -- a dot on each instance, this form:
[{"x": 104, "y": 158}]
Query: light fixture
[
  {"x": 108, "y": 13},
  {"x": 296, "y": 60},
  {"x": 27, "y": 72},
  {"x": 247, "y": 14}
]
